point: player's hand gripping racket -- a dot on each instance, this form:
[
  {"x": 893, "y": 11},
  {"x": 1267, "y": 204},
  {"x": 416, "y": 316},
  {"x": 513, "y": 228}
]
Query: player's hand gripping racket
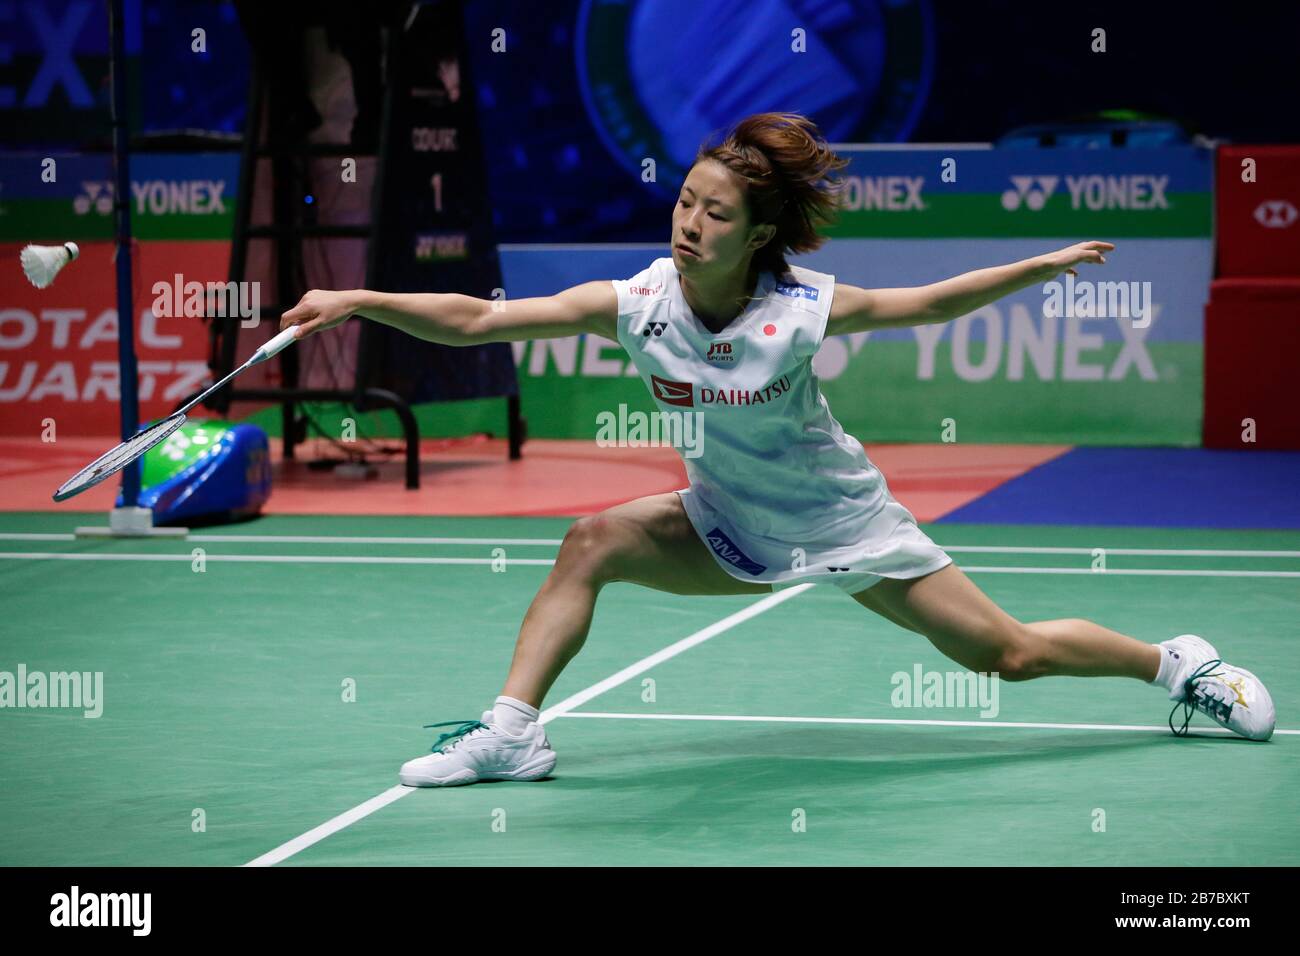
[{"x": 111, "y": 462}]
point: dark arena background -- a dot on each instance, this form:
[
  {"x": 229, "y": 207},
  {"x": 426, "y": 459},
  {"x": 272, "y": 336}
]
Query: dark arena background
[{"x": 218, "y": 656}]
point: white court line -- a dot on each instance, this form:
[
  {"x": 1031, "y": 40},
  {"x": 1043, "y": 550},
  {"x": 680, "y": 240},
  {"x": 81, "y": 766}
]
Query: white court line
[
  {"x": 339, "y": 539},
  {"x": 672, "y": 650},
  {"x": 360, "y": 559},
  {"x": 1167, "y": 572},
  {"x": 1152, "y": 552},
  {"x": 313, "y": 539},
  {"x": 346, "y": 819},
  {"x": 900, "y": 722},
  {"x": 263, "y": 558},
  {"x": 555, "y": 542}
]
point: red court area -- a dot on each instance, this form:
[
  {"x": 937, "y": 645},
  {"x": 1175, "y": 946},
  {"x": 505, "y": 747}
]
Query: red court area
[{"x": 473, "y": 476}]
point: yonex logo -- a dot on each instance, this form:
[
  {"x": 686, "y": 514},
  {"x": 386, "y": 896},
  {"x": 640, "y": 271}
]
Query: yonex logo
[
  {"x": 1275, "y": 214},
  {"x": 159, "y": 197},
  {"x": 656, "y": 327},
  {"x": 726, "y": 549},
  {"x": 1031, "y": 191},
  {"x": 432, "y": 247},
  {"x": 1138, "y": 191},
  {"x": 95, "y": 195},
  {"x": 829, "y": 568},
  {"x": 797, "y": 290},
  {"x": 673, "y": 393}
]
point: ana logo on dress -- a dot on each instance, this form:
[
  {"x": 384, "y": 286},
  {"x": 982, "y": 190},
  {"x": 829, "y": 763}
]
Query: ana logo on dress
[{"x": 797, "y": 290}]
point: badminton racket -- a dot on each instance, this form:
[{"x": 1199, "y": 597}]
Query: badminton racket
[{"x": 114, "y": 460}]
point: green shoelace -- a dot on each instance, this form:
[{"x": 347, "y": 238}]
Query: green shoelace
[
  {"x": 464, "y": 727},
  {"x": 1189, "y": 704}
]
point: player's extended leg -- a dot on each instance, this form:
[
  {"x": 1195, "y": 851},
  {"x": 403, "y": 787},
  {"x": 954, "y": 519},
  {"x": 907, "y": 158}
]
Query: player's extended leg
[
  {"x": 968, "y": 627},
  {"x": 649, "y": 541}
]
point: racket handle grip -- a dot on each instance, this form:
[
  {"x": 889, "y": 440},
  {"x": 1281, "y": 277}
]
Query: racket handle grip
[{"x": 274, "y": 346}]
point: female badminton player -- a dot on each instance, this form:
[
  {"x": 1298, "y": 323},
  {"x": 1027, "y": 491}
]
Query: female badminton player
[{"x": 780, "y": 495}]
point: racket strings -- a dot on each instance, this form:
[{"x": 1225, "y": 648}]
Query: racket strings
[{"x": 120, "y": 456}]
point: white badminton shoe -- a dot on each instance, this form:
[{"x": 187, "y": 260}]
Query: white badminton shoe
[
  {"x": 481, "y": 750},
  {"x": 1230, "y": 696}
]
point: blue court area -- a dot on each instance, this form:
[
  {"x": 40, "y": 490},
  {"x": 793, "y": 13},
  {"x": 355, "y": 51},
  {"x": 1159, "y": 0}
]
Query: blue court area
[{"x": 1152, "y": 487}]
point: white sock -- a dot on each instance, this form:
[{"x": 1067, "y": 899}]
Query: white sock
[
  {"x": 1171, "y": 666},
  {"x": 513, "y": 715}
]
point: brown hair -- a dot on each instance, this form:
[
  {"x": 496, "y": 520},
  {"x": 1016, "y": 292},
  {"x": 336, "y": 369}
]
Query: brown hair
[{"x": 786, "y": 166}]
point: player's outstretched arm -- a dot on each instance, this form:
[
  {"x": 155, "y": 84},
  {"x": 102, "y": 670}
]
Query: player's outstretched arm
[
  {"x": 861, "y": 310},
  {"x": 455, "y": 319}
]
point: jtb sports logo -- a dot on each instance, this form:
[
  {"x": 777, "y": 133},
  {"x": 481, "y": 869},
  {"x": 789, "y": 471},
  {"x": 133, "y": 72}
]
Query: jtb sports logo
[
  {"x": 720, "y": 353},
  {"x": 726, "y": 549}
]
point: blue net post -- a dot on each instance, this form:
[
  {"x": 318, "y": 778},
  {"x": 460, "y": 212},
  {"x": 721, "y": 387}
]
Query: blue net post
[{"x": 129, "y": 405}]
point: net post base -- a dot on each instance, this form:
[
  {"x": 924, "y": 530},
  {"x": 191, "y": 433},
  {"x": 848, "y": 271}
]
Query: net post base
[{"x": 134, "y": 522}]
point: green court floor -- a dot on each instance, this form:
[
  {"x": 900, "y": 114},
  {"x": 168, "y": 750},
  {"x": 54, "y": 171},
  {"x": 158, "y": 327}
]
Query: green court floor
[{"x": 223, "y": 703}]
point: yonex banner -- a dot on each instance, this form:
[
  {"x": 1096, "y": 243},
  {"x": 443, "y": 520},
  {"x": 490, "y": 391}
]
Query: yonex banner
[
  {"x": 1008, "y": 193},
  {"x": 58, "y": 197}
]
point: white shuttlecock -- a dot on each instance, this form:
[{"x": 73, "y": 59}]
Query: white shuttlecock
[{"x": 42, "y": 263}]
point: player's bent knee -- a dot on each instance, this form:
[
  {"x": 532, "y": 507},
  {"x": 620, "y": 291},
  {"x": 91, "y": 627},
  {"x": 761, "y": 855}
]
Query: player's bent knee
[
  {"x": 584, "y": 543},
  {"x": 591, "y": 547}
]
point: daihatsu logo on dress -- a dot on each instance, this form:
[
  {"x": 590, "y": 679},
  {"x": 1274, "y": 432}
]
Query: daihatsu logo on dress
[
  {"x": 673, "y": 393},
  {"x": 683, "y": 393}
]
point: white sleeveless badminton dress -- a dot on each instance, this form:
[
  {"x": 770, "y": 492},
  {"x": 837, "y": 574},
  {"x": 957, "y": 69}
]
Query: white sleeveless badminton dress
[{"x": 779, "y": 493}]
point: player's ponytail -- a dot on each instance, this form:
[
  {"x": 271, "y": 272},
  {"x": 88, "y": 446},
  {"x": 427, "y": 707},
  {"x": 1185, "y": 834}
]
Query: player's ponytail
[{"x": 786, "y": 166}]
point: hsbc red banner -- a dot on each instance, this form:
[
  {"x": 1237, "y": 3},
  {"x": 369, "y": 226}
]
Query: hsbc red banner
[
  {"x": 1257, "y": 202},
  {"x": 58, "y": 346}
]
